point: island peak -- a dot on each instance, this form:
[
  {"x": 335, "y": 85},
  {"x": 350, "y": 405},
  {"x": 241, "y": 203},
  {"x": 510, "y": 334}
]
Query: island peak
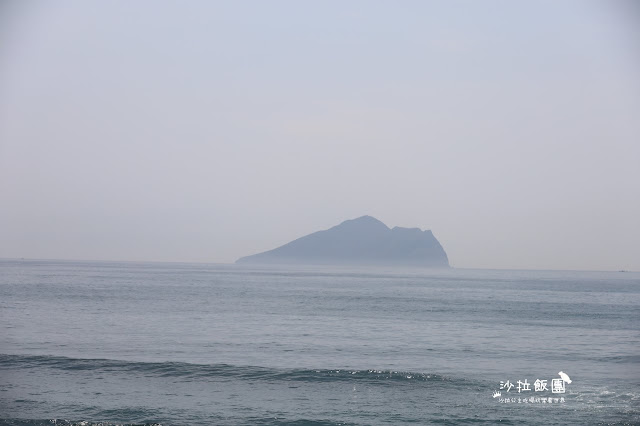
[{"x": 361, "y": 241}]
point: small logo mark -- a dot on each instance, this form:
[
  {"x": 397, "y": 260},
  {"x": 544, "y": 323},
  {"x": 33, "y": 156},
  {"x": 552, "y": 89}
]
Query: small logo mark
[
  {"x": 564, "y": 377},
  {"x": 496, "y": 394}
]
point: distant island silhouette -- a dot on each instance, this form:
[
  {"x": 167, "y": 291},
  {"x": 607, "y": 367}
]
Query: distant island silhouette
[{"x": 361, "y": 241}]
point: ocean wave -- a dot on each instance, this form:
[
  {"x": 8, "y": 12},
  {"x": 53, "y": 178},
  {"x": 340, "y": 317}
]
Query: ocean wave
[
  {"x": 60, "y": 422},
  {"x": 253, "y": 420},
  {"x": 223, "y": 371},
  {"x": 621, "y": 359},
  {"x": 262, "y": 421}
]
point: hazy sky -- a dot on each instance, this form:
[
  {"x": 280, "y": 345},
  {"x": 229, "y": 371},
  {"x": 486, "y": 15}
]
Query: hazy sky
[{"x": 206, "y": 131}]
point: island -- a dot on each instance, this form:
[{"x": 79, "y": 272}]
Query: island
[{"x": 361, "y": 241}]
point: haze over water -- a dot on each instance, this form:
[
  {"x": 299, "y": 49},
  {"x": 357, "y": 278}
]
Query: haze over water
[
  {"x": 155, "y": 130},
  {"x": 138, "y": 135}
]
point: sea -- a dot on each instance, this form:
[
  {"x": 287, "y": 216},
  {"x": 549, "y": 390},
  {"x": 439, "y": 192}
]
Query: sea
[{"x": 111, "y": 343}]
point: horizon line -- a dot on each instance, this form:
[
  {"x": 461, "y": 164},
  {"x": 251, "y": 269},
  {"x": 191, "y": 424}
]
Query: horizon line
[{"x": 274, "y": 265}]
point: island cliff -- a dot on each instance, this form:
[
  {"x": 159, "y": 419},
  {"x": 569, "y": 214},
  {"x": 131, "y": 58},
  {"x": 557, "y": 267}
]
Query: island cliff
[{"x": 361, "y": 241}]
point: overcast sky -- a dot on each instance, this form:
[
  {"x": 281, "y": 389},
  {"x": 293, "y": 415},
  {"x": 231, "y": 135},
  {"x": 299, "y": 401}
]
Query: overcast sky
[{"x": 205, "y": 131}]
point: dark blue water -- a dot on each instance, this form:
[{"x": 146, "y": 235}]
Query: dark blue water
[{"x": 175, "y": 344}]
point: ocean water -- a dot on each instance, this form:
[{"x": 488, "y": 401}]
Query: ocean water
[{"x": 180, "y": 344}]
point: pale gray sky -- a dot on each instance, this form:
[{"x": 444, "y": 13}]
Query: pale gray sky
[{"x": 206, "y": 131}]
